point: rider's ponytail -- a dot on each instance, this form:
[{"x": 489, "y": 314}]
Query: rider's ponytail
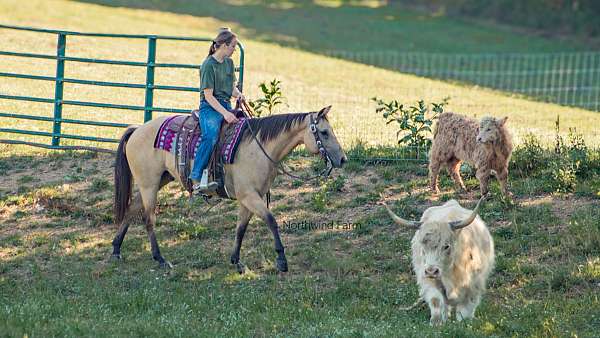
[{"x": 225, "y": 36}]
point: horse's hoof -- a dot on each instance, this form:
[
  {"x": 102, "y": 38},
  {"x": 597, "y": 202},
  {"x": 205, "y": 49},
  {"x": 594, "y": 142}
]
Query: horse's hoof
[
  {"x": 166, "y": 265},
  {"x": 241, "y": 269},
  {"x": 282, "y": 265},
  {"x": 115, "y": 257}
]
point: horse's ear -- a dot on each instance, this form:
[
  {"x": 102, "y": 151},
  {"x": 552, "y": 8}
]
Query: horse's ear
[
  {"x": 323, "y": 112},
  {"x": 502, "y": 121}
]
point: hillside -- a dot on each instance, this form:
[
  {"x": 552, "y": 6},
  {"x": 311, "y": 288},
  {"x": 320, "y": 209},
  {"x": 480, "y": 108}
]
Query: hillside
[{"x": 309, "y": 81}]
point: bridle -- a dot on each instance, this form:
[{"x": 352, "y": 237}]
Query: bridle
[
  {"x": 313, "y": 129},
  {"x": 322, "y": 150}
]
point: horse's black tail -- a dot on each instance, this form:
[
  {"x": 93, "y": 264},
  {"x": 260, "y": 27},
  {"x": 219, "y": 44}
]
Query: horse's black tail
[{"x": 123, "y": 179}]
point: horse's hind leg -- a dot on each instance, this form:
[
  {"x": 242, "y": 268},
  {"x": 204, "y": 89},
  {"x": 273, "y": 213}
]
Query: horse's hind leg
[
  {"x": 149, "y": 201},
  {"x": 243, "y": 219},
  {"x": 134, "y": 210},
  {"x": 256, "y": 205}
]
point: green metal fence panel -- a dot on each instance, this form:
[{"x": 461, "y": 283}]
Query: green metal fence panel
[
  {"x": 241, "y": 69},
  {"x": 150, "y": 79},
  {"x": 59, "y": 88},
  {"x": 59, "y": 80},
  {"x": 26, "y": 98}
]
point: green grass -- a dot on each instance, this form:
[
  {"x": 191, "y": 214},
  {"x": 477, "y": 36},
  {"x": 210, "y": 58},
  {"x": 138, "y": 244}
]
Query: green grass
[
  {"x": 309, "y": 81},
  {"x": 56, "y": 207},
  {"x": 56, "y": 278}
]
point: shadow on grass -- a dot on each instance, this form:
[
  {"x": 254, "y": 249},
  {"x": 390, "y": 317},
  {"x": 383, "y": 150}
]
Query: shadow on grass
[
  {"x": 351, "y": 26},
  {"x": 388, "y": 35}
]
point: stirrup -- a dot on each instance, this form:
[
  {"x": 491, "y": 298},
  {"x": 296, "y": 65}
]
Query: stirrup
[
  {"x": 200, "y": 188},
  {"x": 204, "y": 185}
]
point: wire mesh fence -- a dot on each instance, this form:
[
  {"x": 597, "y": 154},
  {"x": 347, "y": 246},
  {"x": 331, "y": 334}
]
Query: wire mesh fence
[{"x": 571, "y": 79}]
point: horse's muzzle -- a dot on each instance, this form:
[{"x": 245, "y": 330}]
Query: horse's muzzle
[
  {"x": 339, "y": 163},
  {"x": 343, "y": 160}
]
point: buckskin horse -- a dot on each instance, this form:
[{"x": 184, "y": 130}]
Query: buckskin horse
[{"x": 247, "y": 179}]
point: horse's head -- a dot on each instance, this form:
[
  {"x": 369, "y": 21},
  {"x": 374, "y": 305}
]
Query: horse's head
[{"x": 320, "y": 138}]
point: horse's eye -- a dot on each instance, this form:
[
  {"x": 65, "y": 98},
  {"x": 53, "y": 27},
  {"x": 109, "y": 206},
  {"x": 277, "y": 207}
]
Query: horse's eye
[
  {"x": 325, "y": 133},
  {"x": 446, "y": 247}
]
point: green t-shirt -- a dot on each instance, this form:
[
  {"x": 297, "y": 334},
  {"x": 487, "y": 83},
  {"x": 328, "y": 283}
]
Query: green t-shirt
[{"x": 218, "y": 76}]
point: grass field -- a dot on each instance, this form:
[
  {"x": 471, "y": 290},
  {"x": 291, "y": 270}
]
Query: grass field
[
  {"x": 56, "y": 278},
  {"x": 56, "y": 220},
  {"x": 320, "y": 26},
  {"x": 309, "y": 81},
  {"x": 388, "y": 35}
]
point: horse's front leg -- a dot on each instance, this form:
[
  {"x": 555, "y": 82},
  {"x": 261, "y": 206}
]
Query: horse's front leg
[
  {"x": 257, "y": 206},
  {"x": 244, "y": 217}
]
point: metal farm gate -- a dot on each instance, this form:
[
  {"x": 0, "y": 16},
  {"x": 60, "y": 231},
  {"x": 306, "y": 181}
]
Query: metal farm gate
[{"x": 60, "y": 80}]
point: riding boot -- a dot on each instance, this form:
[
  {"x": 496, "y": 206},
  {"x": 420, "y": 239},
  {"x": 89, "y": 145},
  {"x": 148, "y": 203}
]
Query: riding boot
[{"x": 204, "y": 185}]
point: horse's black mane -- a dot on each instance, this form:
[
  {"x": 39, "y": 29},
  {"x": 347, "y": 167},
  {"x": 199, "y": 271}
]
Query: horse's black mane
[{"x": 268, "y": 128}]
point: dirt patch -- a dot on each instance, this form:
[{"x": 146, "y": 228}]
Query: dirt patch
[
  {"x": 563, "y": 208},
  {"x": 54, "y": 169}
]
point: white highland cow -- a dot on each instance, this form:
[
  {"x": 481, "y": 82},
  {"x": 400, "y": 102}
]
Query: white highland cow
[{"x": 452, "y": 257}]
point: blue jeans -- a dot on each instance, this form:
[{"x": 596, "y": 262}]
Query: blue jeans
[{"x": 210, "y": 125}]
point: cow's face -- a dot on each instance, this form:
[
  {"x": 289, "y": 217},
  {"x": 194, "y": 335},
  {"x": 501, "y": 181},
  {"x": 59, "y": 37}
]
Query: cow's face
[
  {"x": 436, "y": 241},
  {"x": 489, "y": 130}
]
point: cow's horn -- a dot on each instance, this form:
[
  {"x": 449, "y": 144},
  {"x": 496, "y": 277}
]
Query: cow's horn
[
  {"x": 455, "y": 225},
  {"x": 400, "y": 220}
]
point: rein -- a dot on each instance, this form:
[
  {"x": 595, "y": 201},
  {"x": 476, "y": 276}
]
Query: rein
[{"x": 313, "y": 128}]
